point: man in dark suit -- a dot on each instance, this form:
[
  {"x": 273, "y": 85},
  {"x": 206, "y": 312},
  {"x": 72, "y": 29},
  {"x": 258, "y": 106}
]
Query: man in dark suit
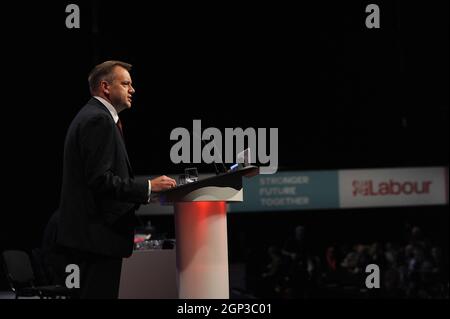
[{"x": 99, "y": 194}]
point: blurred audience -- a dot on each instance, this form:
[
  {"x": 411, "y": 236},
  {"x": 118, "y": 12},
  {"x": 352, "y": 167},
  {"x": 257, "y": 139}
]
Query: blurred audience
[{"x": 411, "y": 268}]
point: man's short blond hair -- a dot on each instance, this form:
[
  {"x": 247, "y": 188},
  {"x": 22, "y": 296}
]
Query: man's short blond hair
[{"x": 104, "y": 72}]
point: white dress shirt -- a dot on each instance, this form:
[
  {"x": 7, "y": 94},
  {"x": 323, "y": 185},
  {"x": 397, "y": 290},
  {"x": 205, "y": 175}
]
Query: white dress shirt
[{"x": 115, "y": 116}]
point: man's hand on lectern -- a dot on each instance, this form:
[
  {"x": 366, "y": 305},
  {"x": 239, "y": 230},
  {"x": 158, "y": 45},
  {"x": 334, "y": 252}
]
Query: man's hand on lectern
[{"x": 162, "y": 183}]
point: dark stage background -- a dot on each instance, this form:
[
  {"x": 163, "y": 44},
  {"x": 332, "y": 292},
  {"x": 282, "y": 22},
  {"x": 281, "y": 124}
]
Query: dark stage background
[{"x": 342, "y": 96}]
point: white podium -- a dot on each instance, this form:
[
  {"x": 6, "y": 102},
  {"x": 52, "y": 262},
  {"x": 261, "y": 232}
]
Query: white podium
[{"x": 201, "y": 232}]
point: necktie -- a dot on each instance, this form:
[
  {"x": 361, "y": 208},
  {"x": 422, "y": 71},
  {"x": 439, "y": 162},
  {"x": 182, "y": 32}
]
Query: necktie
[{"x": 119, "y": 125}]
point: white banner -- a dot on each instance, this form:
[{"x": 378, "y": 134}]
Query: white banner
[{"x": 392, "y": 187}]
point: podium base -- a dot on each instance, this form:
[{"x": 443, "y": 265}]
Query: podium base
[{"x": 202, "y": 250}]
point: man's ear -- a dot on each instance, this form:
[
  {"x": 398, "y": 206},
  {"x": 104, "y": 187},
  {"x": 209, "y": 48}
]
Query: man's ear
[{"x": 104, "y": 87}]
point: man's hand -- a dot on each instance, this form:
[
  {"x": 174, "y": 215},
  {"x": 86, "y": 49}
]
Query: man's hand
[{"x": 162, "y": 183}]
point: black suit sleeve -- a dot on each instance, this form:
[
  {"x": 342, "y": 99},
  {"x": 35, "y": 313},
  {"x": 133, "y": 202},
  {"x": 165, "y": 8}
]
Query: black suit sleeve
[{"x": 99, "y": 151}]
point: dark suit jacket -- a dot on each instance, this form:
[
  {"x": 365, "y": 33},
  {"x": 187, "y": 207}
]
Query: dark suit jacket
[{"x": 99, "y": 194}]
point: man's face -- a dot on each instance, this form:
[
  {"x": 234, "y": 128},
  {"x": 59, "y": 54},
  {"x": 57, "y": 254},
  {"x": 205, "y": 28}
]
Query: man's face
[{"x": 120, "y": 91}]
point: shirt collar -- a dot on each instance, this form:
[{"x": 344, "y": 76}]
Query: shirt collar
[{"x": 110, "y": 108}]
